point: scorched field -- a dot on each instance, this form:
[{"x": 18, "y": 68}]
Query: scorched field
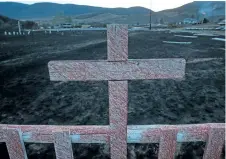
[{"x": 27, "y": 96}]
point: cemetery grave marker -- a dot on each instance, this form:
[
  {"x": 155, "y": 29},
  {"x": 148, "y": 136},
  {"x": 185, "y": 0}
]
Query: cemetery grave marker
[{"x": 117, "y": 70}]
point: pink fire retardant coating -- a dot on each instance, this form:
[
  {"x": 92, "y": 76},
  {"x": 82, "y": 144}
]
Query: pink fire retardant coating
[
  {"x": 126, "y": 70},
  {"x": 215, "y": 142},
  {"x": 46, "y": 129},
  {"x": 194, "y": 132},
  {"x": 148, "y": 133},
  {"x": 167, "y": 145},
  {"x": 63, "y": 146},
  {"x": 97, "y": 138},
  {"x": 118, "y": 102},
  {"x": 117, "y": 41},
  {"x": 15, "y": 144}
]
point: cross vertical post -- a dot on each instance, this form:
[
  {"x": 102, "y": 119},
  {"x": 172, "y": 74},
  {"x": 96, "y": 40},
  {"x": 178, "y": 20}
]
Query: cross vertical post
[{"x": 117, "y": 40}]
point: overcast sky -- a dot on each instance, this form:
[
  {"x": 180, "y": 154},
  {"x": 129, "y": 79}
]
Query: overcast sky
[{"x": 155, "y": 5}]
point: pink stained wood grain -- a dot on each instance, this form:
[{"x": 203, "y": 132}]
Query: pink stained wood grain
[
  {"x": 97, "y": 138},
  {"x": 215, "y": 142},
  {"x": 118, "y": 103},
  {"x": 143, "y": 133},
  {"x": 48, "y": 129},
  {"x": 127, "y": 70},
  {"x": 2, "y": 131},
  {"x": 193, "y": 132},
  {"x": 15, "y": 144},
  {"x": 117, "y": 42},
  {"x": 43, "y": 133},
  {"x": 63, "y": 146},
  {"x": 167, "y": 145}
]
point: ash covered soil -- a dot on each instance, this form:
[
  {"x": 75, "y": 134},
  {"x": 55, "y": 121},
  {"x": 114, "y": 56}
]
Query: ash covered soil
[{"x": 27, "y": 96}]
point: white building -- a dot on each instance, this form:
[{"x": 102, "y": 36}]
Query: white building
[
  {"x": 190, "y": 21},
  {"x": 66, "y": 25},
  {"x": 222, "y": 23}
]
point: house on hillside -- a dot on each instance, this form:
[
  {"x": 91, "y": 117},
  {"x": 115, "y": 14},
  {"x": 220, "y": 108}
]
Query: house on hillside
[
  {"x": 66, "y": 25},
  {"x": 56, "y": 26},
  {"x": 190, "y": 21},
  {"x": 85, "y": 26},
  {"x": 222, "y": 23}
]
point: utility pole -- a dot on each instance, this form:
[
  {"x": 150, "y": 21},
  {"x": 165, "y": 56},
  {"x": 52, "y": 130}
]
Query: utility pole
[
  {"x": 212, "y": 12},
  {"x": 19, "y": 27},
  {"x": 197, "y": 14},
  {"x": 150, "y": 16},
  {"x": 150, "y": 20}
]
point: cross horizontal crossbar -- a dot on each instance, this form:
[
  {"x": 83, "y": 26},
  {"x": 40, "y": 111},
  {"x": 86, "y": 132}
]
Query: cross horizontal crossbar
[
  {"x": 100, "y": 134},
  {"x": 120, "y": 70}
]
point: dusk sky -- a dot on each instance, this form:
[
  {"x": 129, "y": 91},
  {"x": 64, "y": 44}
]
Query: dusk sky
[{"x": 155, "y": 5}]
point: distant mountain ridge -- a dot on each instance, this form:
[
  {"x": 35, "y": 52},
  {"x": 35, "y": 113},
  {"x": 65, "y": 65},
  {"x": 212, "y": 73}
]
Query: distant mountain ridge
[
  {"x": 86, "y": 14},
  {"x": 42, "y": 10}
]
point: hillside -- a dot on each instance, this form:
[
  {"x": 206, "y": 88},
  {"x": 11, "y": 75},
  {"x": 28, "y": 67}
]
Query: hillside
[
  {"x": 198, "y": 10},
  {"x": 112, "y": 18},
  {"x": 133, "y": 15},
  {"x": 8, "y": 24}
]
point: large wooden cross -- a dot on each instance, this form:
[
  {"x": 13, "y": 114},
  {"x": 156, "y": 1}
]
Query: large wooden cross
[{"x": 117, "y": 70}]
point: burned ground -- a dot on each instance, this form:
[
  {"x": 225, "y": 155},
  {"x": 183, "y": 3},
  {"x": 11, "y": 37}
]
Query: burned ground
[{"x": 27, "y": 96}]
